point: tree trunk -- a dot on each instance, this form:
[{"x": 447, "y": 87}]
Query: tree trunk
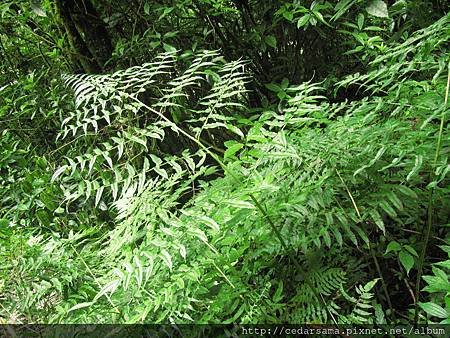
[{"x": 87, "y": 34}]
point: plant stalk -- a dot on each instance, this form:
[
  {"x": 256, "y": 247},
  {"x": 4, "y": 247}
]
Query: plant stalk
[
  {"x": 374, "y": 257},
  {"x": 430, "y": 204}
]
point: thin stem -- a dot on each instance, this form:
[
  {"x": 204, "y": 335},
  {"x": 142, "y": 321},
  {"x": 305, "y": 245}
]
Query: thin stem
[
  {"x": 430, "y": 204},
  {"x": 223, "y": 275},
  {"x": 350, "y": 194},
  {"x": 372, "y": 252},
  {"x": 383, "y": 282}
]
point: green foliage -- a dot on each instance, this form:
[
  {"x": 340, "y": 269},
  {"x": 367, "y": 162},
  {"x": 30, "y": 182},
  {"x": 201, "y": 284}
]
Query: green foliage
[
  {"x": 117, "y": 154},
  {"x": 438, "y": 286},
  {"x": 159, "y": 192}
]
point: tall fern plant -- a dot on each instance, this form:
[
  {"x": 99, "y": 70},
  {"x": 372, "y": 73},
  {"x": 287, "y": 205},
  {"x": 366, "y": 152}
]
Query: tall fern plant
[
  {"x": 344, "y": 176},
  {"x": 120, "y": 143}
]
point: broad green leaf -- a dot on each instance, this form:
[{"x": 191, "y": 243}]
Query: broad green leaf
[
  {"x": 360, "y": 21},
  {"x": 288, "y": 15},
  {"x": 273, "y": 87},
  {"x": 444, "y": 264},
  {"x": 407, "y": 260},
  {"x": 411, "y": 250},
  {"x": 393, "y": 246},
  {"x": 199, "y": 234},
  {"x": 271, "y": 41},
  {"x": 139, "y": 140},
  {"x": 387, "y": 208},
  {"x": 369, "y": 286},
  {"x": 436, "y": 284},
  {"x": 327, "y": 238},
  {"x": 108, "y": 159},
  {"x": 147, "y": 8},
  {"x": 320, "y": 17},
  {"x": 407, "y": 191},
  {"x": 303, "y": 20},
  {"x": 434, "y": 310},
  {"x": 169, "y": 48},
  {"x": 37, "y": 9},
  {"x": 43, "y": 217},
  {"x": 378, "y": 8},
  {"x": 231, "y": 151}
]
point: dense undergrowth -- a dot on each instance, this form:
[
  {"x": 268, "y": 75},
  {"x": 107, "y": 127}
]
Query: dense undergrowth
[{"x": 169, "y": 197}]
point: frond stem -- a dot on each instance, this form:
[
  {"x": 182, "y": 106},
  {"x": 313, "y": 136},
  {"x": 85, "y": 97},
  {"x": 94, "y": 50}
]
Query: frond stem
[{"x": 430, "y": 204}]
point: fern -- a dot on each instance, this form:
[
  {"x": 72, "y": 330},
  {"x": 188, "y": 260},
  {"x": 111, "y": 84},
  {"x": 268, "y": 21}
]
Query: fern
[
  {"x": 118, "y": 133},
  {"x": 423, "y": 54},
  {"x": 310, "y": 181},
  {"x": 335, "y": 178},
  {"x": 307, "y": 308},
  {"x": 363, "y": 305}
]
